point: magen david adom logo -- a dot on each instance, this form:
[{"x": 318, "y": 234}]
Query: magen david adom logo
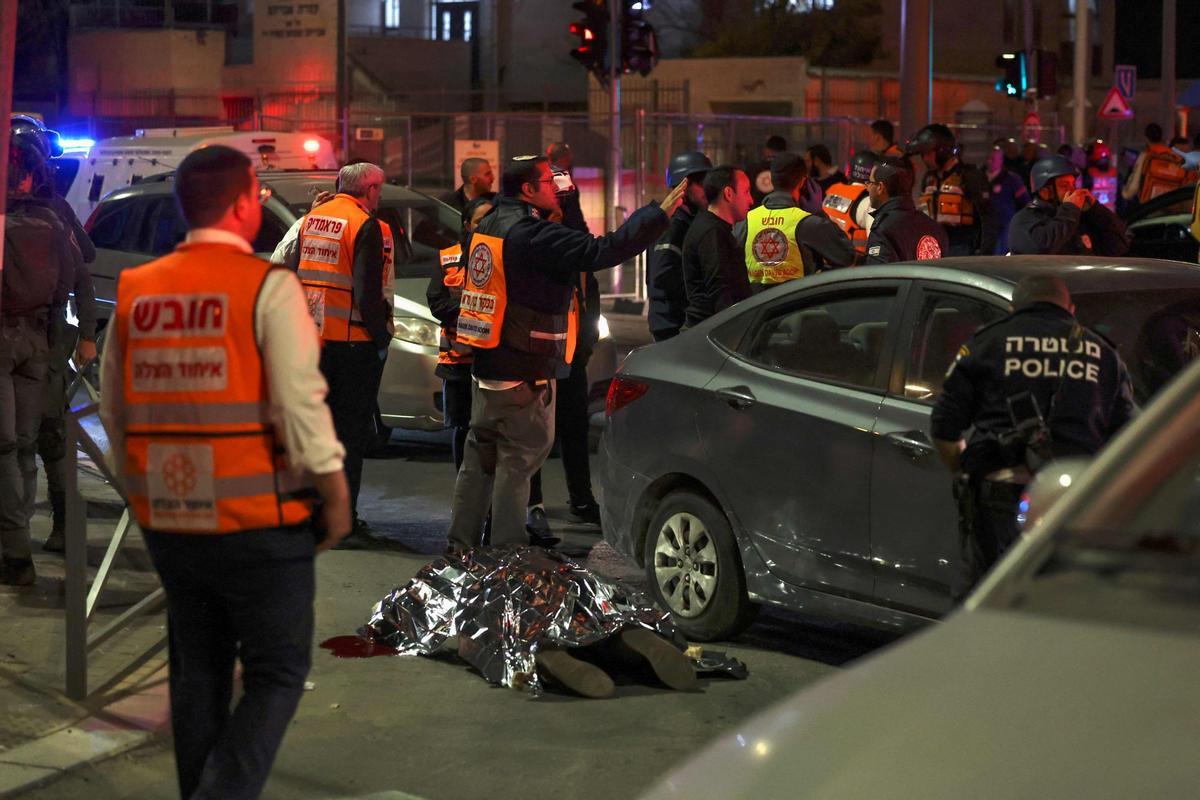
[
  {"x": 928, "y": 248},
  {"x": 770, "y": 246},
  {"x": 480, "y": 265}
]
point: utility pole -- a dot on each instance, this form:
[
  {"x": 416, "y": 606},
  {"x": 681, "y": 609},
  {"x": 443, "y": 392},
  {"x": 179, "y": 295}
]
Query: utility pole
[
  {"x": 614, "y": 110},
  {"x": 1082, "y": 71},
  {"x": 343, "y": 85},
  {"x": 1169, "y": 118},
  {"x": 8, "y": 51},
  {"x": 916, "y": 65}
]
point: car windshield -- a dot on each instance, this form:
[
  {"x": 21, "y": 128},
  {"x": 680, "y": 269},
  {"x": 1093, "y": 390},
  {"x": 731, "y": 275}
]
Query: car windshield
[{"x": 1133, "y": 555}]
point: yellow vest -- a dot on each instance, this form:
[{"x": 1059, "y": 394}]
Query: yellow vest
[{"x": 772, "y": 254}]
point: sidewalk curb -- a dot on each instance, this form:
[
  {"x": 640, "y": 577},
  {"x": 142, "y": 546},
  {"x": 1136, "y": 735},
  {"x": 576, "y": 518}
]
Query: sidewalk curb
[{"x": 47, "y": 759}]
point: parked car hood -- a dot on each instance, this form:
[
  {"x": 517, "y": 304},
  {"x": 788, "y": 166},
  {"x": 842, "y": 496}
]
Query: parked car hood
[
  {"x": 410, "y": 298},
  {"x": 990, "y": 704}
]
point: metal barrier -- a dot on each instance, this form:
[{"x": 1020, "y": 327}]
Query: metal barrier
[{"x": 81, "y": 599}]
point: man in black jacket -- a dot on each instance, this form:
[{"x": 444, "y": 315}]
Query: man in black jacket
[
  {"x": 1063, "y": 220},
  {"x": 664, "y": 272},
  {"x": 899, "y": 232},
  {"x": 714, "y": 269},
  {"x": 1031, "y": 387},
  {"x": 520, "y": 350},
  {"x": 477, "y": 179}
]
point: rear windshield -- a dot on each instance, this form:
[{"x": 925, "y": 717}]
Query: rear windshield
[{"x": 1157, "y": 333}]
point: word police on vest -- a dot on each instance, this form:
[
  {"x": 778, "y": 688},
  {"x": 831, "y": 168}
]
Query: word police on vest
[{"x": 1086, "y": 368}]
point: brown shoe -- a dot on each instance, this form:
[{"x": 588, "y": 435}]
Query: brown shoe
[
  {"x": 578, "y": 676},
  {"x": 17, "y": 572},
  {"x": 669, "y": 663}
]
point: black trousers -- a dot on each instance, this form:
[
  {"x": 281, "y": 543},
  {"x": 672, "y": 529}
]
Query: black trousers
[
  {"x": 572, "y": 426},
  {"x": 245, "y": 596},
  {"x": 353, "y": 371},
  {"x": 987, "y": 523}
]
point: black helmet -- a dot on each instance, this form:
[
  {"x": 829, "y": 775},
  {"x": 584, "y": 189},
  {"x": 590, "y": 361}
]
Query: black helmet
[
  {"x": 1047, "y": 169},
  {"x": 861, "y": 165},
  {"x": 684, "y": 165},
  {"x": 936, "y": 139},
  {"x": 32, "y": 129}
]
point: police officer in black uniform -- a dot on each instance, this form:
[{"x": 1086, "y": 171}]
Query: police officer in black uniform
[
  {"x": 1035, "y": 386},
  {"x": 1064, "y": 220},
  {"x": 899, "y": 232},
  {"x": 664, "y": 273}
]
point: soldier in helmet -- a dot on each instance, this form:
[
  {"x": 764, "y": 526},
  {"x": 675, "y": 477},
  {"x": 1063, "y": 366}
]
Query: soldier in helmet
[
  {"x": 664, "y": 273},
  {"x": 951, "y": 193},
  {"x": 1064, "y": 220},
  {"x": 849, "y": 204}
]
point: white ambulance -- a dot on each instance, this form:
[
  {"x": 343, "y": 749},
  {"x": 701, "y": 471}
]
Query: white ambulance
[{"x": 113, "y": 164}]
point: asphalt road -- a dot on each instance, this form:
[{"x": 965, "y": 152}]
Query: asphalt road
[{"x": 431, "y": 728}]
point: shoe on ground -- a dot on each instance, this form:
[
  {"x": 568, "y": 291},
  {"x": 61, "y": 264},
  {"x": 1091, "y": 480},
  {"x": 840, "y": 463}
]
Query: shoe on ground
[
  {"x": 56, "y": 542},
  {"x": 586, "y": 513},
  {"x": 667, "y": 661},
  {"x": 17, "y": 572},
  {"x": 571, "y": 673},
  {"x": 538, "y": 528}
]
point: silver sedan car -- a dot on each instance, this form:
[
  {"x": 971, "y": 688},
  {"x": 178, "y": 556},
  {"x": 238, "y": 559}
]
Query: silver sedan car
[
  {"x": 1069, "y": 674},
  {"x": 777, "y": 453}
]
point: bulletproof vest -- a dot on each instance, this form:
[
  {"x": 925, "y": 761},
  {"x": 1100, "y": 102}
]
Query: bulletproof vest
[
  {"x": 32, "y": 248},
  {"x": 944, "y": 200}
]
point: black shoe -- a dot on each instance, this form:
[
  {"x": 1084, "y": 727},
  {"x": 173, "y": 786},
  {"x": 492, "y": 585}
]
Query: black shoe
[
  {"x": 361, "y": 537},
  {"x": 669, "y": 663},
  {"x": 586, "y": 513},
  {"x": 17, "y": 572},
  {"x": 55, "y": 542},
  {"x": 571, "y": 673},
  {"x": 538, "y": 528}
]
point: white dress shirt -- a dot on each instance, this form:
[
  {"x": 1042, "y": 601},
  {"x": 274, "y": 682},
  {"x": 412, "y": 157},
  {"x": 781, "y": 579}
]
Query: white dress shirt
[{"x": 290, "y": 350}]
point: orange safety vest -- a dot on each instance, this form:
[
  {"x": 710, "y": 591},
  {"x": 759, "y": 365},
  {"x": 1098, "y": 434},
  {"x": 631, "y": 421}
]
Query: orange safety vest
[
  {"x": 201, "y": 455},
  {"x": 485, "y": 316},
  {"x": 841, "y": 204},
  {"x": 326, "y": 268},
  {"x": 1162, "y": 171},
  {"x": 450, "y": 350},
  {"x": 1104, "y": 186},
  {"x": 943, "y": 199}
]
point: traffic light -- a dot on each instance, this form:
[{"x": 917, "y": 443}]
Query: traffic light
[
  {"x": 1047, "y": 73},
  {"x": 592, "y": 31},
  {"x": 639, "y": 43},
  {"x": 1015, "y": 81}
]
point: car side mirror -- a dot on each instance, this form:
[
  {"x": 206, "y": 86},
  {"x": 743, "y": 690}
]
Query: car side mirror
[{"x": 1051, "y": 482}]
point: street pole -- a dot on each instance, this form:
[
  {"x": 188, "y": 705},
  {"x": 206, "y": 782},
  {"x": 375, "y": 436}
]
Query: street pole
[
  {"x": 1081, "y": 70},
  {"x": 1031, "y": 57},
  {"x": 343, "y": 89},
  {"x": 614, "y": 111},
  {"x": 916, "y": 65},
  {"x": 1170, "y": 125},
  {"x": 8, "y": 46}
]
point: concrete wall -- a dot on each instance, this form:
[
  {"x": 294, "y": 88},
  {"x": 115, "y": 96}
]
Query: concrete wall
[
  {"x": 774, "y": 86},
  {"x": 536, "y": 65}
]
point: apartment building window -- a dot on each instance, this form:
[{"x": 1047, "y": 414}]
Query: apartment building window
[
  {"x": 391, "y": 13},
  {"x": 455, "y": 20},
  {"x": 1066, "y": 56}
]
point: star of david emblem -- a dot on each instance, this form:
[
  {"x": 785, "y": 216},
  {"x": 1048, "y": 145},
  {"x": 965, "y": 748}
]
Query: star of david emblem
[
  {"x": 770, "y": 246},
  {"x": 481, "y": 265}
]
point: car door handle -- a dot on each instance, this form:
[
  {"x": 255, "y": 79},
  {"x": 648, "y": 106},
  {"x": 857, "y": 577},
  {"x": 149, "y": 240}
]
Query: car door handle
[
  {"x": 738, "y": 397},
  {"x": 912, "y": 442}
]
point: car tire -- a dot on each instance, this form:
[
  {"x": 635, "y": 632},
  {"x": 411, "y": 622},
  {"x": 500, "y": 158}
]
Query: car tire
[{"x": 709, "y": 601}]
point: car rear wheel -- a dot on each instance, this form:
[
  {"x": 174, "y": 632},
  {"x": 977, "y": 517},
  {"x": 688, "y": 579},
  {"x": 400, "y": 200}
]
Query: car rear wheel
[{"x": 694, "y": 570}]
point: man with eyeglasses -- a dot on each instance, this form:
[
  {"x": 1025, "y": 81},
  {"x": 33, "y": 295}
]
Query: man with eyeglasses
[
  {"x": 898, "y": 231},
  {"x": 342, "y": 266}
]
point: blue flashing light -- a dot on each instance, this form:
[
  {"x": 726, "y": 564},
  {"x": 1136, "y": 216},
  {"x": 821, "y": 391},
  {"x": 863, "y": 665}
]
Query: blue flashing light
[{"x": 78, "y": 146}]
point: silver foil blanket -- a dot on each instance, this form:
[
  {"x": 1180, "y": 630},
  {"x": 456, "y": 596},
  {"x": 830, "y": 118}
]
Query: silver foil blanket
[{"x": 503, "y": 603}]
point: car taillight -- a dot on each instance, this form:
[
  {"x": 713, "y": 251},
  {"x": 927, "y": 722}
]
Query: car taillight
[{"x": 621, "y": 392}]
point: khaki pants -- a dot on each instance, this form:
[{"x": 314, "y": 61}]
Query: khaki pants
[{"x": 511, "y": 435}]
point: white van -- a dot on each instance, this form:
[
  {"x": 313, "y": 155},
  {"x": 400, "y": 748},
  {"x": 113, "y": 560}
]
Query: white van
[{"x": 116, "y": 163}]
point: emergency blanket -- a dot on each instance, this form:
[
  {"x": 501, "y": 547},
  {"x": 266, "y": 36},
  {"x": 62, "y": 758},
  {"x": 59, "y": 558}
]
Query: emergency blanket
[{"x": 503, "y": 603}]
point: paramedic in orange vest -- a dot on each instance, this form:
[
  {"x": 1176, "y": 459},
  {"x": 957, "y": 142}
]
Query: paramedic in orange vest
[
  {"x": 517, "y": 311},
  {"x": 342, "y": 264},
  {"x": 214, "y": 407},
  {"x": 951, "y": 191},
  {"x": 1157, "y": 170},
  {"x": 783, "y": 242},
  {"x": 1101, "y": 176},
  {"x": 849, "y": 205},
  {"x": 882, "y": 136}
]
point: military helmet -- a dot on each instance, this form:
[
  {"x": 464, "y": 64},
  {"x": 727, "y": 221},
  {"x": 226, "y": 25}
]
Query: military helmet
[
  {"x": 1047, "y": 169},
  {"x": 936, "y": 139},
  {"x": 861, "y": 165},
  {"x": 33, "y": 133},
  {"x": 684, "y": 165}
]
